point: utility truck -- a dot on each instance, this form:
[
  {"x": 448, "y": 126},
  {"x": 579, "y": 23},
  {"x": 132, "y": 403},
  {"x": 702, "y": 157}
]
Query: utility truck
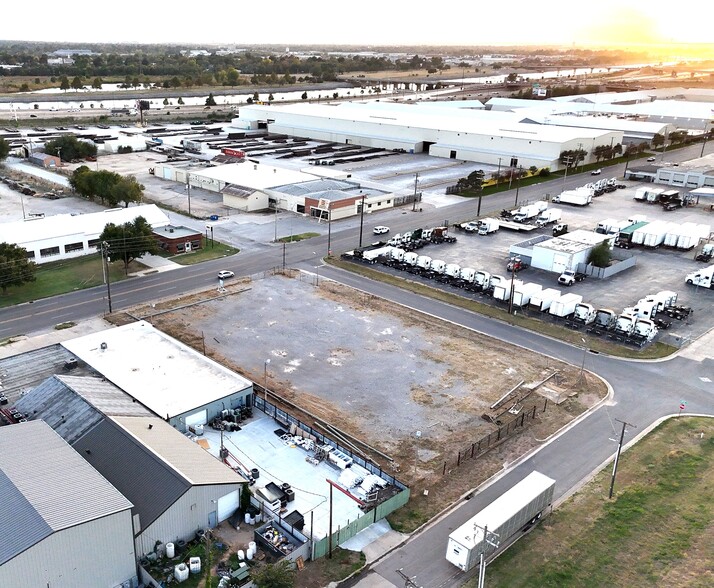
[{"x": 521, "y": 506}]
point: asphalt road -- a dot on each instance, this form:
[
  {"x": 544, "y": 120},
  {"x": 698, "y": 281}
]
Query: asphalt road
[{"x": 643, "y": 391}]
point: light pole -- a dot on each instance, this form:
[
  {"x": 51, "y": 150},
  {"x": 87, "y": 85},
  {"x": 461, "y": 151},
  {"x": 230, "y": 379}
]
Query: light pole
[
  {"x": 416, "y": 186},
  {"x": 275, "y": 236},
  {"x": 188, "y": 192},
  {"x": 582, "y": 364},
  {"x": 416, "y": 450},
  {"x": 265, "y": 384},
  {"x": 329, "y": 232},
  {"x": 105, "y": 271},
  {"x": 617, "y": 455}
]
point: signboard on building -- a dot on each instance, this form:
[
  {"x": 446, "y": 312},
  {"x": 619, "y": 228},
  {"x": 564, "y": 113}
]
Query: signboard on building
[{"x": 233, "y": 152}]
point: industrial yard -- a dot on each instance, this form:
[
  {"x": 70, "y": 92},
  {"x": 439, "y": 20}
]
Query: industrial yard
[{"x": 381, "y": 373}]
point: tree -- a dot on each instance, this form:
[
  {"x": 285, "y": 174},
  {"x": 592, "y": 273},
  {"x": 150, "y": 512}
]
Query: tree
[
  {"x": 15, "y": 268},
  {"x": 68, "y": 147},
  {"x": 77, "y": 83},
  {"x": 180, "y": 101},
  {"x": 130, "y": 240},
  {"x": 126, "y": 190},
  {"x": 245, "y": 495},
  {"x": 64, "y": 83},
  {"x": 4, "y": 148},
  {"x": 210, "y": 101},
  {"x": 304, "y": 96},
  {"x": 279, "y": 575},
  {"x": 473, "y": 182},
  {"x": 600, "y": 255},
  {"x": 657, "y": 140},
  {"x": 97, "y": 83}
]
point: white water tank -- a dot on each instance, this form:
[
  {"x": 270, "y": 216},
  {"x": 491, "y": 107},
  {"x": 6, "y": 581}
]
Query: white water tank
[
  {"x": 181, "y": 572},
  {"x": 170, "y": 550},
  {"x": 246, "y": 518},
  {"x": 253, "y": 547},
  {"x": 195, "y": 564},
  {"x": 241, "y": 555}
]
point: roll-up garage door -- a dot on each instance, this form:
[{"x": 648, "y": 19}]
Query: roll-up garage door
[
  {"x": 197, "y": 418},
  {"x": 227, "y": 505},
  {"x": 560, "y": 263}
]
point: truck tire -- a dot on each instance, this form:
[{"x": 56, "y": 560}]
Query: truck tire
[{"x": 689, "y": 282}]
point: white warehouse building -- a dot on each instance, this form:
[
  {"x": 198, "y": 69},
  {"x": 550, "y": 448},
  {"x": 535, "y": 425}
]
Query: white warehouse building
[
  {"x": 457, "y": 131},
  {"x": 172, "y": 380},
  {"x": 63, "y": 524},
  {"x": 63, "y": 236}
]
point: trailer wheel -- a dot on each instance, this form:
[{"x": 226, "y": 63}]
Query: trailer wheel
[{"x": 689, "y": 282}]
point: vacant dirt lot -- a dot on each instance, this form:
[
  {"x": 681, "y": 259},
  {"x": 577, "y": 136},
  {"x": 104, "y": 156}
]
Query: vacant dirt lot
[{"x": 376, "y": 370}]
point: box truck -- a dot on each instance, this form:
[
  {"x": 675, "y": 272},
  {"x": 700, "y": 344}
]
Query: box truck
[
  {"x": 578, "y": 197},
  {"x": 565, "y": 305},
  {"x": 543, "y": 299},
  {"x": 488, "y": 226},
  {"x": 522, "y": 505},
  {"x": 548, "y": 216}
]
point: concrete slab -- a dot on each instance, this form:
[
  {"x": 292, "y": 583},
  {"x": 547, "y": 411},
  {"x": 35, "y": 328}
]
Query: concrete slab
[{"x": 32, "y": 341}]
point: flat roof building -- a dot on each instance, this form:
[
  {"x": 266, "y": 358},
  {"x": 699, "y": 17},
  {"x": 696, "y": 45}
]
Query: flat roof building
[{"x": 172, "y": 380}]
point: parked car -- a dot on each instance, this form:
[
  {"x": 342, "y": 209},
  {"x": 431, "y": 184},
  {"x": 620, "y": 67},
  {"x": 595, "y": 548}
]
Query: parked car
[
  {"x": 380, "y": 230},
  {"x": 223, "y": 274}
]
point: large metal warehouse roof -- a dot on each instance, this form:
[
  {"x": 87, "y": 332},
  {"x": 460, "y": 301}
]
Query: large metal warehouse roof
[{"x": 33, "y": 460}]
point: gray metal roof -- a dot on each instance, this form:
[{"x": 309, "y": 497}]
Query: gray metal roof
[
  {"x": 21, "y": 373},
  {"x": 46, "y": 487},
  {"x": 143, "y": 477},
  {"x": 72, "y": 405},
  {"x": 314, "y": 186}
]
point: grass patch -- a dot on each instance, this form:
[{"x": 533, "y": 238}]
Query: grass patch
[
  {"x": 300, "y": 237},
  {"x": 325, "y": 570},
  {"x": 657, "y": 531},
  {"x": 60, "y": 277},
  {"x": 656, "y": 350},
  {"x": 207, "y": 252},
  {"x": 65, "y": 325}
]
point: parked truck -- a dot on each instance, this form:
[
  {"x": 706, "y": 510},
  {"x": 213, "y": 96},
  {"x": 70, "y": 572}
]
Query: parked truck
[
  {"x": 372, "y": 255},
  {"x": 624, "y": 324},
  {"x": 569, "y": 277},
  {"x": 488, "y": 226},
  {"x": 528, "y": 212},
  {"x": 706, "y": 254},
  {"x": 584, "y": 313},
  {"x": 436, "y": 268},
  {"x": 605, "y": 319},
  {"x": 644, "y": 331},
  {"x": 451, "y": 274},
  {"x": 703, "y": 278},
  {"x": 506, "y": 516},
  {"x": 502, "y": 291},
  {"x": 423, "y": 264},
  {"x": 565, "y": 305},
  {"x": 466, "y": 277},
  {"x": 522, "y": 294},
  {"x": 548, "y": 216},
  {"x": 578, "y": 197},
  {"x": 543, "y": 299},
  {"x": 624, "y": 238},
  {"x": 482, "y": 281},
  {"x": 410, "y": 261}
]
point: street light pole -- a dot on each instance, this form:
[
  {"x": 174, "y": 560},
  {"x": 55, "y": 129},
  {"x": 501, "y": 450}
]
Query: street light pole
[
  {"x": 265, "y": 384},
  {"x": 416, "y": 185},
  {"x": 617, "y": 455},
  {"x": 329, "y": 232},
  {"x": 105, "y": 271},
  {"x": 582, "y": 365},
  {"x": 188, "y": 192}
]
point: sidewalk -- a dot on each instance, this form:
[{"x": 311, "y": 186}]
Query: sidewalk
[{"x": 156, "y": 264}]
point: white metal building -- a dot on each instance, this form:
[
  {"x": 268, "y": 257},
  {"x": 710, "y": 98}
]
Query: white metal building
[
  {"x": 567, "y": 251},
  {"x": 452, "y": 130},
  {"x": 64, "y": 236},
  {"x": 172, "y": 380},
  {"x": 63, "y": 525}
]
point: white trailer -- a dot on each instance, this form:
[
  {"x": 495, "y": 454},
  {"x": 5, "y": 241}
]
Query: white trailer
[
  {"x": 578, "y": 197},
  {"x": 654, "y": 234},
  {"x": 550, "y": 215},
  {"x": 543, "y": 299},
  {"x": 503, "y": 291},
  {"x": 371, "y": 255},
  {"x": 488, "y": 226},
  {"x": 522, "y": 294},
  {"x": 523, "y": 504},
  {"x": 640, "y": 194},
  {"x": 565, "y": 305}
]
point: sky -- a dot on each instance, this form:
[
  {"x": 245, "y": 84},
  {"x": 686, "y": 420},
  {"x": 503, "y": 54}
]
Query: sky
[{"x": 363, "y": 22}]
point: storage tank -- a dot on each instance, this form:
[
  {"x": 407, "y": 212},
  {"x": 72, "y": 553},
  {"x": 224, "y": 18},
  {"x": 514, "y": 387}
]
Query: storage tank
[
  {"x": 194, "y": 564},
  {"x": 181, "y": 572},
  {"x": 170, "y": 551},
  {"x": 240, "y": 554}
]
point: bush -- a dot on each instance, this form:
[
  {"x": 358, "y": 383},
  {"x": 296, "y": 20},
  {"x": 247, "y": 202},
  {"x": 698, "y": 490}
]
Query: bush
[
  {"x": 125, "y": 149},
  {"x": 544, "y": 173}
]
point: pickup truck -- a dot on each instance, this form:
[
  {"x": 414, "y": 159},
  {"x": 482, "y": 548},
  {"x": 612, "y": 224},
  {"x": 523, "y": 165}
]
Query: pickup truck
[{"x": 569, "y": 277}]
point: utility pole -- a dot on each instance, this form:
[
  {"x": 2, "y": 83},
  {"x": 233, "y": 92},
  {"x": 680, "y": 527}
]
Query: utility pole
[
  {"x": 492, "y": 540},
  {"x": 567, "y": 161},
  {"x": 416, "y": 185},
  {"x": 617, "y": 455},
  {"x": 105, "y": 271},
  {"x": 188, "y": 192},
  {"x": 518, "y": 182},
  {"x": 329, "y": 232},
  {"x": 275, "y": 236}
]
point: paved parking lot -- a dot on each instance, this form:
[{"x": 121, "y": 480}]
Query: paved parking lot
[{"x": 656, "y": 269}]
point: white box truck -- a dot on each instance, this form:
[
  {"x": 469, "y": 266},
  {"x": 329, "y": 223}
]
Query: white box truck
[
  {"x": 548, "y": 216},
  {"x": 522, "y": 505},
  {"x": 488, "y": 226},
  {"x": 577, "y": 197}
]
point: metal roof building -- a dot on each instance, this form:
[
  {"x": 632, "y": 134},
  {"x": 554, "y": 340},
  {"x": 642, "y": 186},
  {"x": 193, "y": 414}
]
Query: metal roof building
[
  {"x": 63, "y": 236},
  {"x": 175, "y": 486},
  {"x": 451, "y": 130},
  {"x": 63, "y": 524},
  {"x": 171, "y": 379}
]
